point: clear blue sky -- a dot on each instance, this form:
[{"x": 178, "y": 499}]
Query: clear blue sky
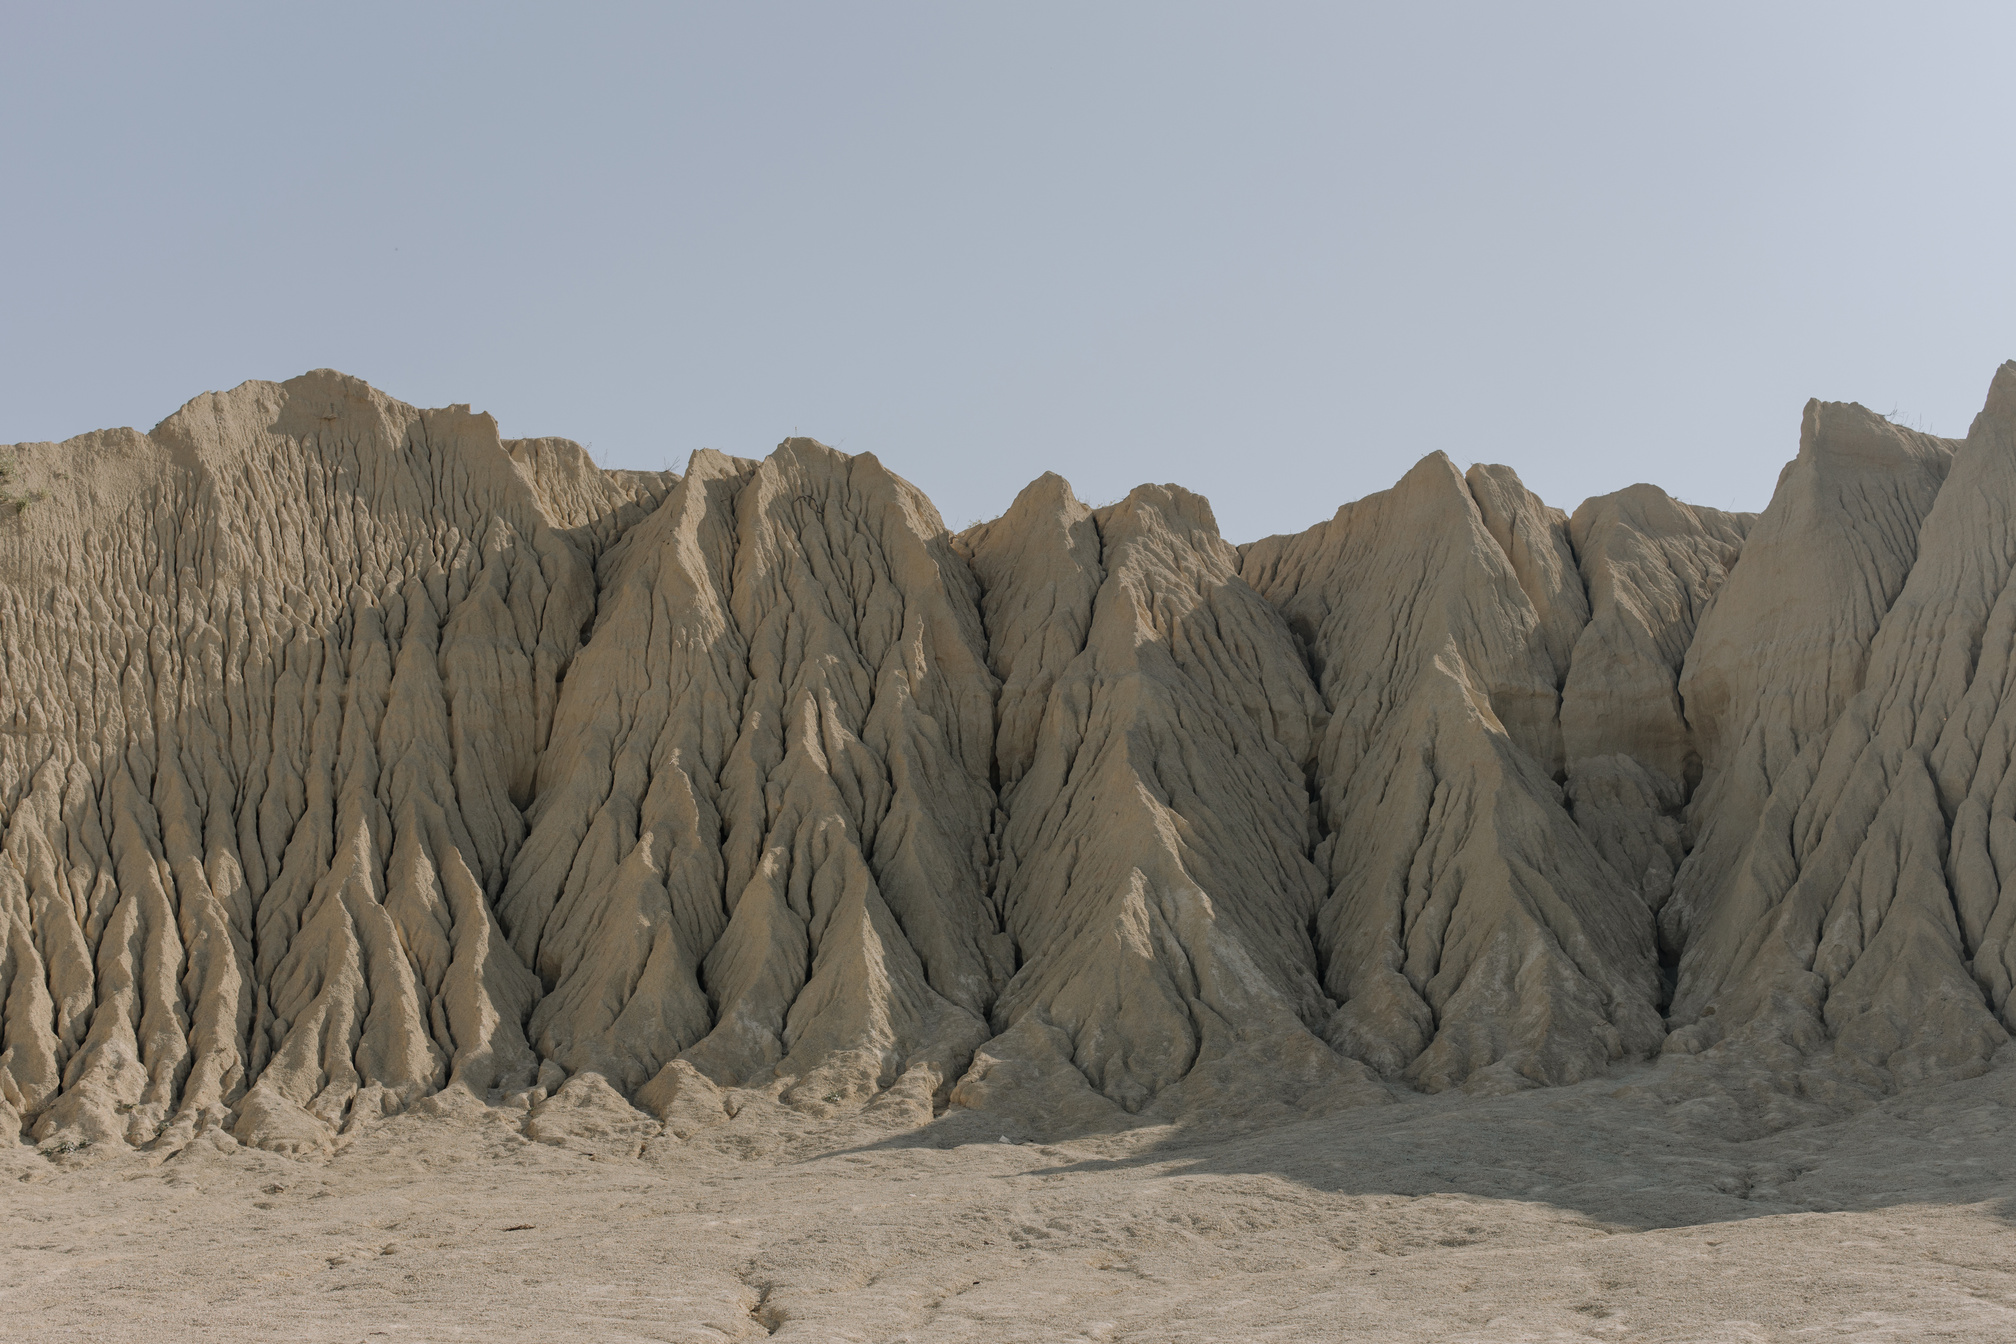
[{"x": 1273, "y": 252}]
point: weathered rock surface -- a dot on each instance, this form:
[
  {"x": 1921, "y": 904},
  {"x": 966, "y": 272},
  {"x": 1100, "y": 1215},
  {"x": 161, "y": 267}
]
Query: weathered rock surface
[
  {"x": 1861, "y": 919},
  {"x": 354, "y": 759},
  {"x": 1470, "y": 930},
  {"x": 1653, "y": 566},
  {"x": 1155, "y": 870}
]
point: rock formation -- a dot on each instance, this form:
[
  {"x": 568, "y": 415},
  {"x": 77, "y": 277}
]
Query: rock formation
[{"x": 355, "y": 759}]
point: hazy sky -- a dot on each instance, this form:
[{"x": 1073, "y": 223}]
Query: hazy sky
[{"x": 1273, "y": 252}]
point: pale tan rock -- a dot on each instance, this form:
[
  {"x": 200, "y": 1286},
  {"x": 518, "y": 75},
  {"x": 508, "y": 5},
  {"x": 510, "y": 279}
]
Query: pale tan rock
[
  {"x": 1536, "y": 540},
  {"x": 1039, "y": 572},
  {"x": 1653, "y": 567},
  {"x": 360, "y": 767},
  {"x": 1155, "y": 869},
  {"x": 590, "y": 1115},
  {"x": 1784, "y": 648},
  {"x": 282, "y": 672},
  {"x": 594, "y": 507},
  {"x": 1472, "y": 934},
  {"x": 1860, "y": 928},
  {"x": 684, "y": 1099},
  {"x": 618, "y": 893},
  {"x": 771, "y": 774}
]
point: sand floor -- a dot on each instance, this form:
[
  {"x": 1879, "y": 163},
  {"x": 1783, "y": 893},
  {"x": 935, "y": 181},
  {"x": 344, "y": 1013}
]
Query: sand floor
[{"x": 1586, "y": 1213}]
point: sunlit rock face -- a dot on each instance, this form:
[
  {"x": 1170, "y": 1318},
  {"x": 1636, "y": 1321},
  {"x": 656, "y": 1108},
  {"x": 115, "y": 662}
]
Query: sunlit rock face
[{"x": 354, "y": 759}]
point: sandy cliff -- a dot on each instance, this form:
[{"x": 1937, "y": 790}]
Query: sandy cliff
[{"x": 355, "y": 760}]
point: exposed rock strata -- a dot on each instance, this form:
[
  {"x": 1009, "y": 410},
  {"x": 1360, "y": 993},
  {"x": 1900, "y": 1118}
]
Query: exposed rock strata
[
  {"x": 1862, "y": 918},
  {"x": 278, "y": 677},
  {"x": 1786, "y": 645},
  {"x": 1155, "y": 871},
  {"x": 1653, "y": 567},
  {"x": 1471, "y": 931},
  {"x": 353, "y": 758},
  {"x": 762, "y": 837}
]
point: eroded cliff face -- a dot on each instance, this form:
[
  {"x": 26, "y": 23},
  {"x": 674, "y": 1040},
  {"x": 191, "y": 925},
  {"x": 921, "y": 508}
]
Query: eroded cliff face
[{"x": 354, "y": 759}]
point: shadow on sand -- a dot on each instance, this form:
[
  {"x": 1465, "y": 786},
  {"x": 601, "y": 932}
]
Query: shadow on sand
[{"x": 1610, "y": 1149}]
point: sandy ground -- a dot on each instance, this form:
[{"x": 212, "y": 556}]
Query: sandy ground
[{"x": 1588, "y": 1213}]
